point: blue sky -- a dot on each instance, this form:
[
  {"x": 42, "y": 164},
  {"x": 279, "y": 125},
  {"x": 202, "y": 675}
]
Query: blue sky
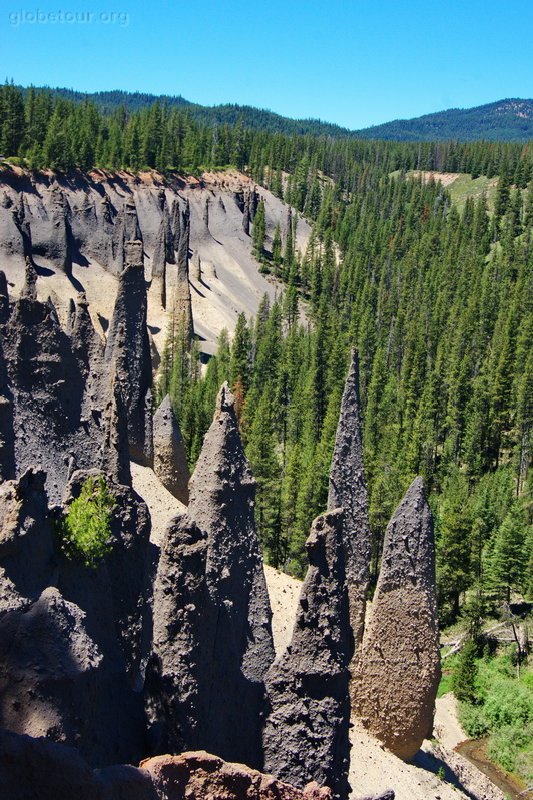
[{"x": 353, "y": 62}]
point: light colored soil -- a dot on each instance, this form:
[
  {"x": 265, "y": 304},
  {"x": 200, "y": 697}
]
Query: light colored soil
[
  {"x": 161, "y": 504},
  {"x": 284, "y": 593},
  {"x": 447, "y": 728},
  {"x": 446, "y": 178}
]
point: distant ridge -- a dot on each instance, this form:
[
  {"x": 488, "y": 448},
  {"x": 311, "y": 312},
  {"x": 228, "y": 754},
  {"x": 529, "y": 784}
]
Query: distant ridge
[{"x": 509, "y": 120}]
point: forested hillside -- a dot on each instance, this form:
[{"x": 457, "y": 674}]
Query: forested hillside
[
  {"x": 505, "y": 120},
  {"x": 439, "y": 304}
]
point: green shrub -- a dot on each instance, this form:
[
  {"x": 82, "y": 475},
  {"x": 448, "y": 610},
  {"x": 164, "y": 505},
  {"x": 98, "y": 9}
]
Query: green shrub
[
  {"x": 85, "y": 529},
  {"x": 507, "y": 743},
  {"x": 473, "y": 720},
  {"x": 508, "y": 704}
]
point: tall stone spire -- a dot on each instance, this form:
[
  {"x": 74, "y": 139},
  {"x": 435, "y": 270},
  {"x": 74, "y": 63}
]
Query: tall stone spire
[
  {"x": 222, "y": 492},
  {"x": 170, "y": 458},
  {"x": 308, "y": 708},
  {"x": 397, "y": 671},
  {"x": 129, "y": 348},
  {"x": 60, "y": 241},
  {"x": 347, "y": 489}
]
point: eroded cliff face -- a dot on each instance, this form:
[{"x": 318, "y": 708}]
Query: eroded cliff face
[{"x": 97, "y": 214}]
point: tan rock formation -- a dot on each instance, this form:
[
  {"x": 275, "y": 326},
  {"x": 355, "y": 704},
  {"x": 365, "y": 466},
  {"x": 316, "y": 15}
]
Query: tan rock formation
[{"x": 397, "y": 672}]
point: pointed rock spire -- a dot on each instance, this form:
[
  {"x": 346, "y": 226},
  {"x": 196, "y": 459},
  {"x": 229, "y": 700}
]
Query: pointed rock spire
[
  {"x": 115, "y": 448},
  {"x": 29, "y": 290},
  {"x": 86, "y": 343},
  {"x": 221, "y": 503},
  {"x": 126, "y": 229},
  {"x": 306, "y": 734},
  {"x": 176, "y": 224},
  {"x": 182, "y": 304},
  {"x": 397, "y": 672},
  {"x": 159, "y": 261},
  {"x": 23, "y": 226},
  {"x": 178, "y": 675},
  {"x": 347, "y": 489},
  {"x": 129, "y": 348},
  {"x": 170, "y": 458},
  {"x": 182, "y": 259},
  {"x": 59, "y": 247},
  {"x": 169, "y": 236}
]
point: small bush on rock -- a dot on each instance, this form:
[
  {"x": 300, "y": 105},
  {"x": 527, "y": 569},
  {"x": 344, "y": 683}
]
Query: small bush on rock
[{"x": 85, "y": 529}]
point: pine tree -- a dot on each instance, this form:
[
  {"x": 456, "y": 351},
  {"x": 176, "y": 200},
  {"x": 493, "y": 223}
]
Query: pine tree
[
  {"x": 258, "y": 233},
  {"x": 509, "y": 556}
]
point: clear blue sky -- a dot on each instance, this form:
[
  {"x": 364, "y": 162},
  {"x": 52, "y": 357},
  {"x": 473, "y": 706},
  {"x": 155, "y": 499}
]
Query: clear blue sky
[{"x": 353, "y": 62}]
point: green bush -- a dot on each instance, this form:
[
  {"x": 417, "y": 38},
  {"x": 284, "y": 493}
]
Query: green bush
[
  {"x": 506, "y": 745},
  {"x": 502, "y": 708},
  {"x": 473, "y": 720},
  {"x": 85, "y": 529},
  {"x": 508, "y": 704}
]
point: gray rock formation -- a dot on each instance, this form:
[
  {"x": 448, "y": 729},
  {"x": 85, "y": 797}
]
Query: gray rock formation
[
  {"x": 179, "y": 674},
  {"x": 60, "y": 241},
  {"x": 159, "y": 262},
  {"x": 126, "y": 229},
  {"x": 347, "y": 490},
  {"x": 128, "y": 348},
  {"x": 88, "y": 349},
  {"x": 246, "y": 216},
  {"x": 176, "y": 224},
  {"x": 15, "y": 234},
  {"x": 93, "y": 228},
  {"x": 46, "y": 409},
  {"x": 7, "y": 434},
  {"x": 159, "y": 254},
  {"x": 50, "y": 672},
  {"x": 182, "y": 255},
  {"x": 397, "y": 672},
  {"x": 27, "y": 561},
  {"x": 115, "y": 460},
  {"x": 196, "y": 267},
  {"x": 306, "y": 734},
  {"x": 169, "y": 234},
  {"x": 114, "y": 595},
  {"x": 170, "y": 458},
  {"x": 239, "y": 641},
  {"x": 23, "y": 226}
]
